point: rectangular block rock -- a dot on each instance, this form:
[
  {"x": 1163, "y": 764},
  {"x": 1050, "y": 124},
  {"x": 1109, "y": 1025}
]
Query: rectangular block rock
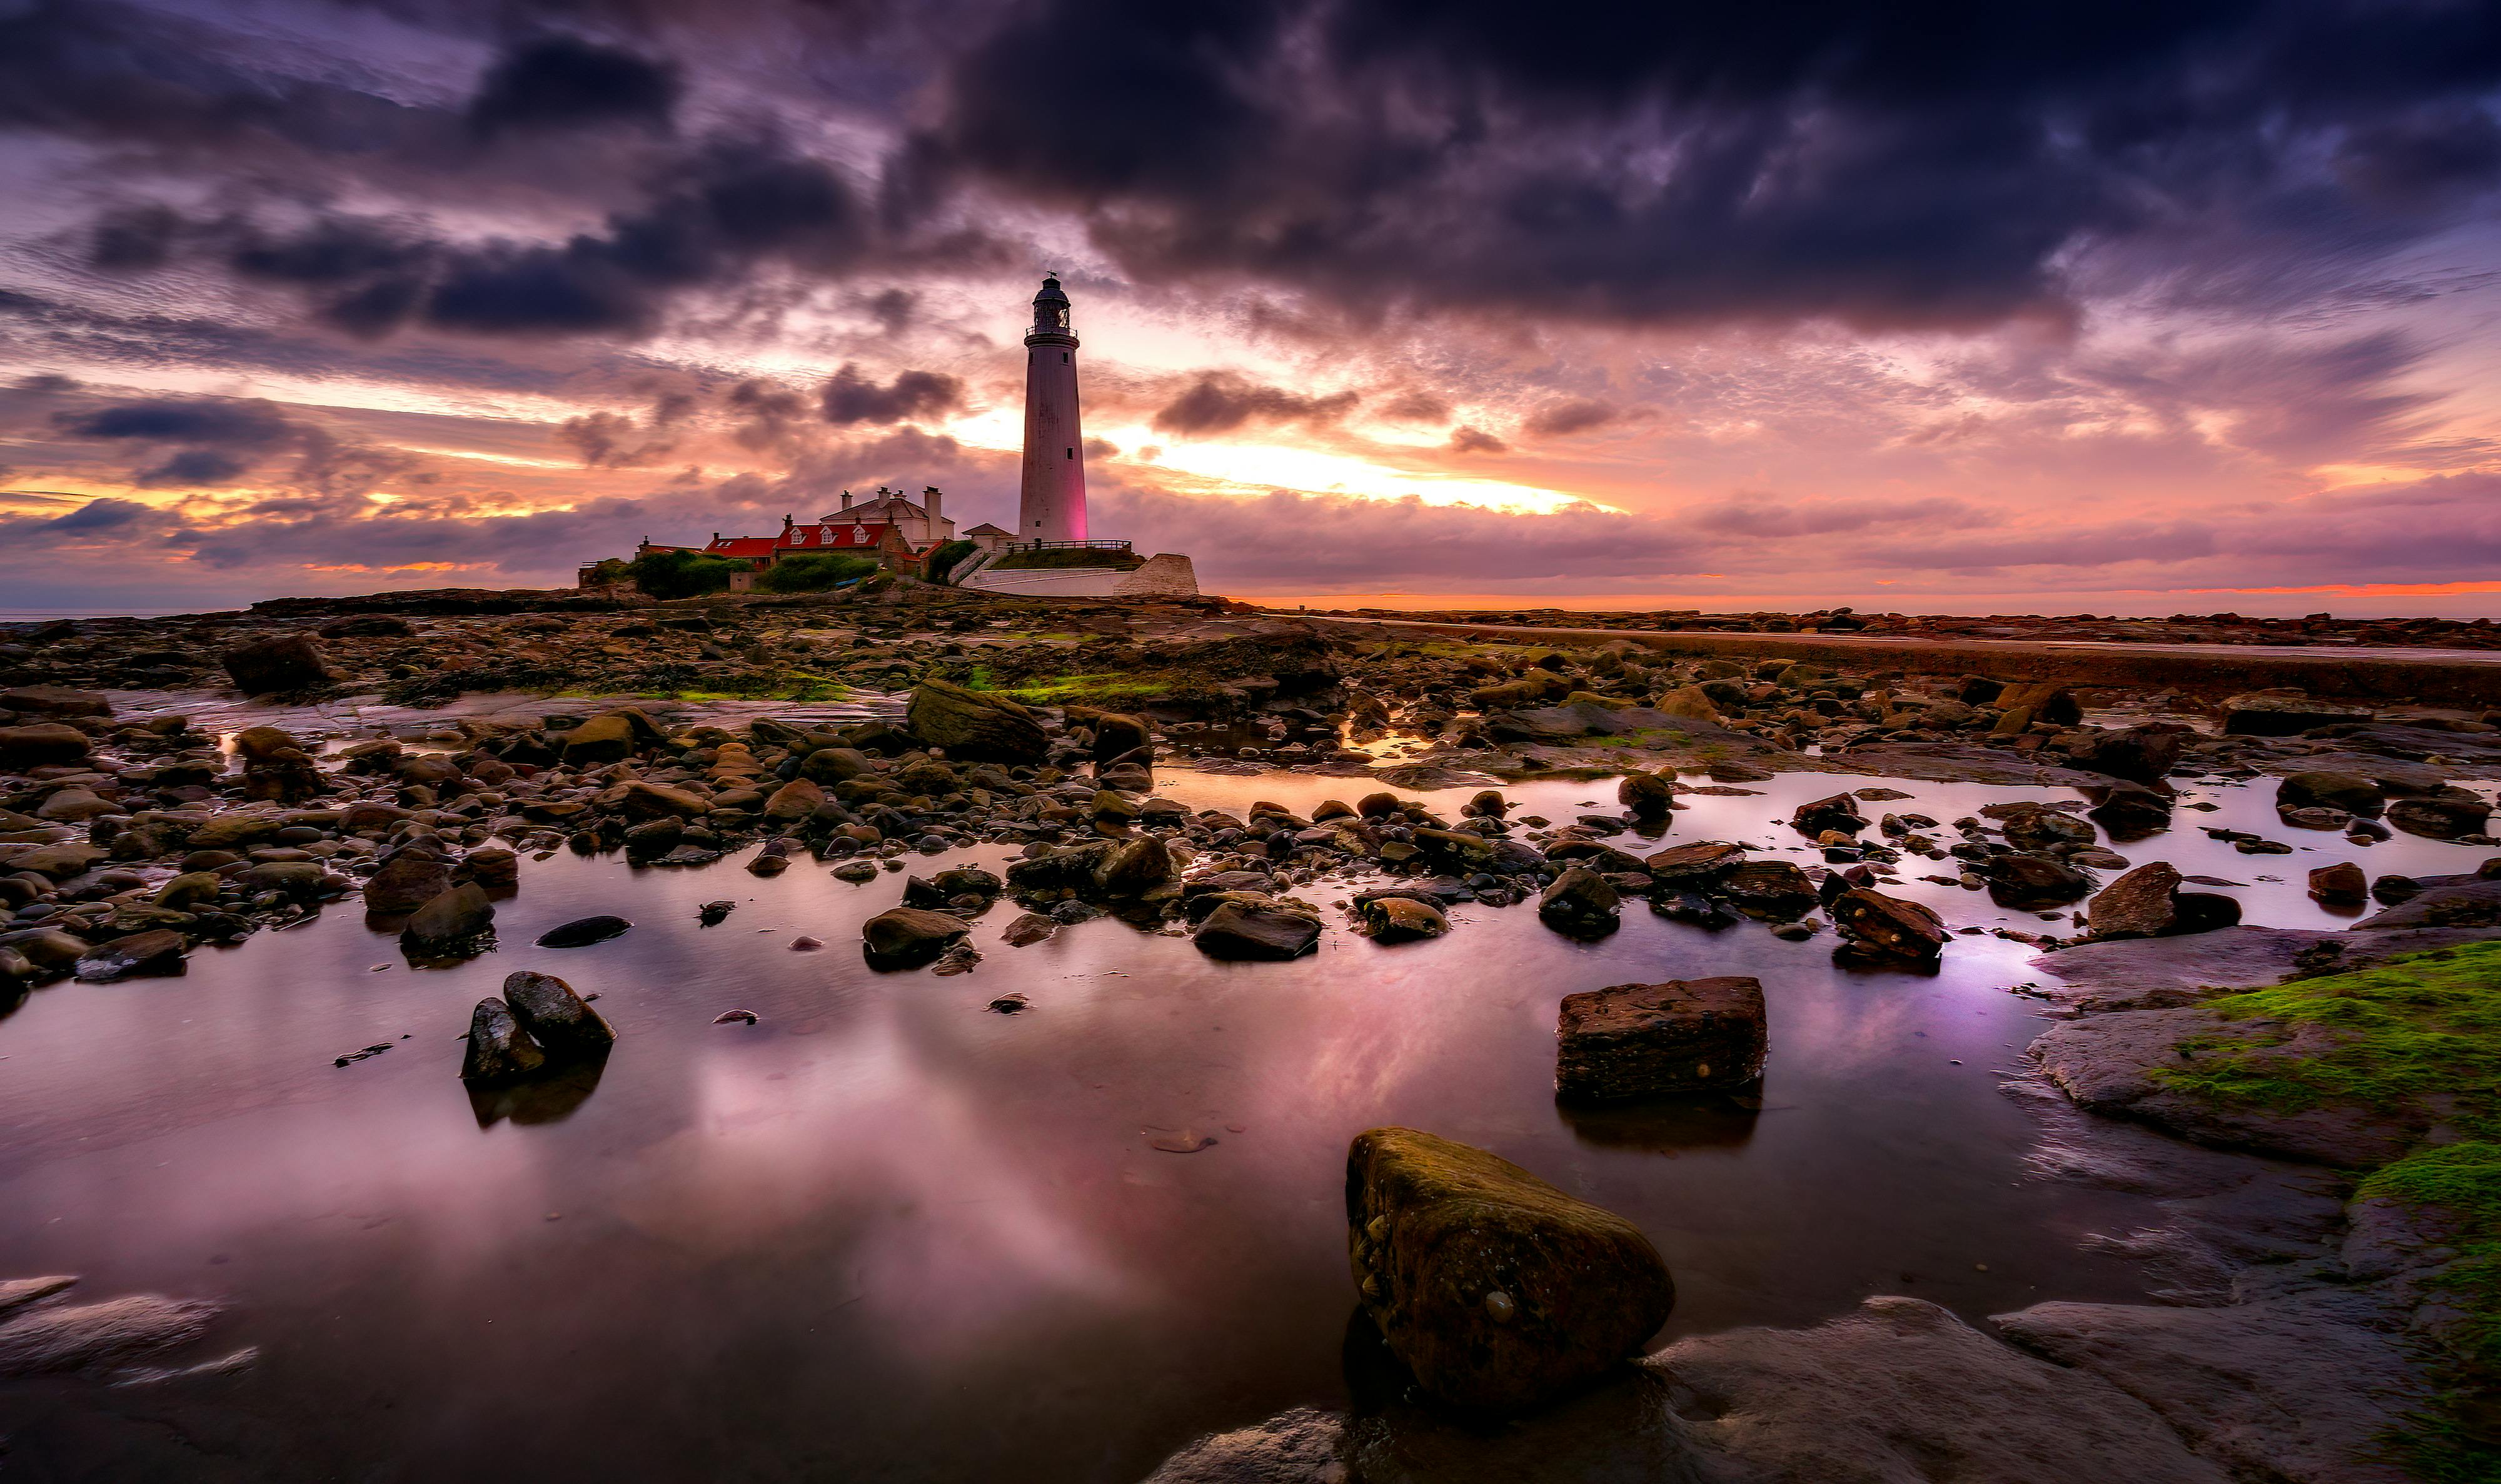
[{"x": 1628, "y": 1042}]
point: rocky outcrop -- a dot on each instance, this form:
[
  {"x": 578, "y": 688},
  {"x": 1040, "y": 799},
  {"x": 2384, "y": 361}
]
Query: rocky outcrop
[
  {"x": 975, "y": 724},
  {"x": 2147, "y": 903},
  {"x": 281, "y": 664},
  {"x": 907, "y": 937},
  {"x": 1496, "y": 1289},
  {"x": 1258, "y": 930},
  {"x": 1629, "y": 1042}
]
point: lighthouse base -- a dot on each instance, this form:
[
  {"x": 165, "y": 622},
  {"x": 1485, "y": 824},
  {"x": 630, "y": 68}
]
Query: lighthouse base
[{"x": 1160, "y": 577}]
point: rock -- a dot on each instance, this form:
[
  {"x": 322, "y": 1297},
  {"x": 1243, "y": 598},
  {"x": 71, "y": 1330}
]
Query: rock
[
  {"x": 285, "y": 661},
  {"x": 59, "y": 861},
  {"x": 638, "y": 799},
  {"x": 2038, "y": 826},
  {"x": 2443, "y": 902},
  {"x": 2046, "y": 703},
  {"x": 76, "y": 805},
  {"x": 1134, "y": 868},
  {"x": 2451, "y": 813},
  {"x": 2131, "y": 811},
  {"x": 368, "y": 626},
  {"x": 1490, "y": 803},
  {"x": 192, "y": 888},
  {"x": 1256, "y": 930},
  {"x": 582, "y": 932},
  {"x": 44, "y": 744},
  {"x": 2147, "y": 903},
  {"x": 2282, "y": 714},
  {"x": 1647, "y": 1041},
  {"x": 1459, "y": 847},
  {"x": 158, "y": 950},
  {"x": 297, "y": 881},
  {"x": 54, "y": 700},
  {"x": 2309, "y": 1386},
  {"x": 611, "y": 736},
  {"x": 1887, "y": 927},
  {"x": 499, "y": 1050},
  {"x": 1646, "y": 794},
  {"x": 1029, "y": 929},
  {"x": 492, "y": 868},
  {"x": 1581, "y": 903},
  {"x": 2342, "y": 884},
  {"x": 1838, "y": 813},
  {"x": 834, "y": 764},
  {"x": 907, "y": 937},
  {"x": 1693, "y": 909},
  {"x": 1496, "y": 1290},
  {"x": 2032, "y": 881},
  {"x": 974, "y": 724},
  {"x": 2142, "y": 754},
  {"x": 2350, "y": 792},
  {"x": 1403, "y": 919},
  {"x": 1117, "y": 736},
  {"x": 406, "y": 882},
  {"x": 43, "y": 1338},
  {"x": 1690, "y": 703},
  {"x": 1774, "y": 891},
  {"x": 453, "y": 919},
  {"x": 794, "y": 801},
  {"x": 1901, "y": 1391},
  {"x": 1697, "y": 867},
  {"x": 561, "y": 1021}
]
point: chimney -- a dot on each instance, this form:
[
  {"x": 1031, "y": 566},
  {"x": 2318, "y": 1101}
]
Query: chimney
[
  {"x": 929, "y": 499},
  {"x": 846, "y": 499}
]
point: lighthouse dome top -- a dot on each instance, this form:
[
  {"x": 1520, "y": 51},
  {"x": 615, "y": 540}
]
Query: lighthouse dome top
[{"x": 1051, "y": 290}]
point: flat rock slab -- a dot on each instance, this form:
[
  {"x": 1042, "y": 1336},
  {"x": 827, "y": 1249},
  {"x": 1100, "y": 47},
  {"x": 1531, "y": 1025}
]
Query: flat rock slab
[
  {"x": 2302, "y": 1388},
  {"x": 2108, "y": 1064},
  {"x": 2228, "y": 958},
  {"x": 1897, "y": 1392}
]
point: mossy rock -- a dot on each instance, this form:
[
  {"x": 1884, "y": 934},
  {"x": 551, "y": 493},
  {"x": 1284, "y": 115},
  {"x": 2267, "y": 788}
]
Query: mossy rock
[
  {"x": 1497, "y": 1290},
  {"x": 975, "y": 724}
]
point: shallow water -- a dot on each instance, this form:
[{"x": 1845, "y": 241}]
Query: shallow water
[{"x": 886, "y": 1233}]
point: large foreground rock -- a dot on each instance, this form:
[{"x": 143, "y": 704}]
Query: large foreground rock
[
  {"x": 975, "y": 724},
  {"x": 1888, "y": 927},
  {"x": 284, "y": 663},
  {"x": 453, "y": 919},
  {"x": 1897, "y": 1392},
  {"x": 45, "y": 743},
  {"x": 2147, "y": 903},
  {"x": 559, "y": 1020},
  {"x": 1496, "y": 1289},
  {"x": 2304, "y": 1387},
  {"x": 1645, "y": 1040}
]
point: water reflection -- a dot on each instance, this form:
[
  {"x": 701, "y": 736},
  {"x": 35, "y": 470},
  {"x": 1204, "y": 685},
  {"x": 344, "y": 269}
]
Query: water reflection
[
  {"x": 1666, "y": 1125},
  {"x": 550, "y": 1097}
]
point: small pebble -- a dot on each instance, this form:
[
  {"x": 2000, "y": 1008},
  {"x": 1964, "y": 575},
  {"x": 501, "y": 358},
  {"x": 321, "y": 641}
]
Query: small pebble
[
  {"x": 805, "y": 944},
  {"x": 726, "y": 1016}
]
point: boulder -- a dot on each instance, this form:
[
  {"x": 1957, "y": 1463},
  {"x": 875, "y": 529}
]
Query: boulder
[
  {"x": 1456, "y": 846},
  {"x": 2142, "y": 754},
  {"x": 2140, "y": 903},
  {"x": 2350, "y": 792},
  {"x": 1690, "y": 703},
  {"x": 2038, "y": 827},
  {"x": 406, "y": 882},
  {"x": 907, "y": 937},
  {"x": 1581, "y": 903},
  {"x": 833, "y": 765},
  {"x": 2451, "y": 813},
  {"x": 1134, "y": 868},
  {"x": 1645, "y": 1040},
  {"x": 2284, "y": 714},
  {"x": 191, "y": 889},
  {"x": 1497, "y": 1291},
  {"x": 1774, "y": 891},
  {"x": 1887, "y": 927},
  {"x": 43, "y": 745},
  {"x": 638, "y": 800},
  {"x": 2342, "y": 884},
  {"x": 611, "y": 736},
  {"x": 2131, "y": 811},
  {"x": 494, "y": 867},
  {"x": 1029, "y": 929},
  {"x": 1838, "y": 813},
  {"x": 1646, "y": 794},
  {"x": 561, "y": 1021},
  {"x": 2030, "y": 882},
  {"x": 499, "y": 1050},
  {"x": 975, "y": 724},
  {"x": 1402, "y": 919},
  {"x": 452, "y": 919},
  {"x": 794, "y": 801},
  {"x": 1258, "y": 930},
  {"x": 285, "y": 661},
  {"x": 2046, "y": 703},
  {"x": 1117, "y": 736}
]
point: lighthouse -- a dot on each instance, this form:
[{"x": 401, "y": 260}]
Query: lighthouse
[{"x": 1054, "y": 503}]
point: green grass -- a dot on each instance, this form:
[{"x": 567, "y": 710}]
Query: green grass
[
  {"x": 2426, "y": 1029},
  {"x": 1056, "y": 690}
]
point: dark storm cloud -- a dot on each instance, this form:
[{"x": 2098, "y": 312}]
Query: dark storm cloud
[
  {"x": 105, "y": 515},
  {"x": 1219, "y": 402},
  {"x": 1925, "y": 163},
  {"x": 133, "y": 239},
  {"x": 566, "y": 82},
  {"x": 247, "y": 425},
  {"x": 851, "y": 398},
  {"x": 1469, "y": 440}
]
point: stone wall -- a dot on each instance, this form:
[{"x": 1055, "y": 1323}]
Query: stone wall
[{"x": 1166, "y": 576}]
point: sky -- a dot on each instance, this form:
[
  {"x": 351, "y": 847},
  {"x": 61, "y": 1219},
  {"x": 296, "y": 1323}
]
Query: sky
[{"x": 1924, "y": 305}]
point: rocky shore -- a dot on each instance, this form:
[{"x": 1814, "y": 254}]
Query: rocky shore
[{"x": 168, "y": 785}]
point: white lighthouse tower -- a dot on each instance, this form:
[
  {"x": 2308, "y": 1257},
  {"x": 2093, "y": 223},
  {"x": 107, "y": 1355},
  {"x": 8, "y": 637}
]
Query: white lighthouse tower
[{"x": 1053, "y": 504}]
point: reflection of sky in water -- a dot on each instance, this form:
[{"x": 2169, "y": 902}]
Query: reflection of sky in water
[{"x": 884, "y": 1230}]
